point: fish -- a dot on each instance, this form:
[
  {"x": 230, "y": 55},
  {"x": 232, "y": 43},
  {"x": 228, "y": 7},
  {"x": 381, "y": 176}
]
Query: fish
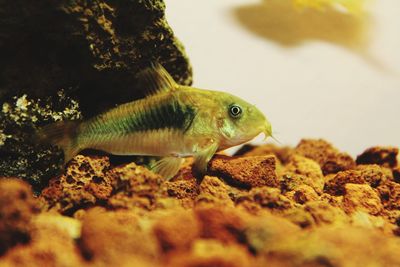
[
  {"x": 171, "y": 122},
  {"x": 354, "y": 7}
]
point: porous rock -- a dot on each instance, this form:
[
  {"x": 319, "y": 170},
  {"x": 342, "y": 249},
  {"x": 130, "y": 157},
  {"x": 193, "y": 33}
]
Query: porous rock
[
  {"x": 302, "y": 171},
  {"x": 267, "y": 198},
  {"x": 84, "y": 184},
  {"x": 135, "y": 187},
  {"x": 361, "y": 197},
  {"x": 185, "y": 190},
  {"x": 302, "y": 194},
  {"x": 246, "y": 171},
  {"x": 384, "y": 156},
  {"x": 390, "y": 195},
  {"x": 213, "y": 190},
  {"x": 328, "y": 157},
  {"x": 374, "y": 175}
]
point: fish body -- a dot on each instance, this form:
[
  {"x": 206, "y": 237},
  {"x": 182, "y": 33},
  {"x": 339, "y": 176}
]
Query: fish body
[{"x": 172, "y": 122}]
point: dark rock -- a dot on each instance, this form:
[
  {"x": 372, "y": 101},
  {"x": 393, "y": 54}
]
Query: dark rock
[
  {"x": 384, "y": 156},
  {"x": 69, "y": 60}
]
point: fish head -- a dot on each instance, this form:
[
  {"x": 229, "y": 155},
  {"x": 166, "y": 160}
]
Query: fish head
[{"x": 240, "y": 121}]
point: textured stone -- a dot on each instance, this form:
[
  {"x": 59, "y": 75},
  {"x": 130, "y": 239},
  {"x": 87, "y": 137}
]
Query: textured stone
[
  {"x": 361, "y": 198},
  {"x": 374, "y": 175},
  {"x": 328, "y": 157},
  {"x": 135, "y": 187},
  {"x": 302, "y": 194},
  {"x": 384, "y": 156},
  {"x": 390, "y": 195},
  {"x": 302, "y": 171},
  {"x": 84, "y": 184},
  {"x": 246, "y": 171},
  {"x": 267, "y": 198},
  {"x": 213, "y": 190}
]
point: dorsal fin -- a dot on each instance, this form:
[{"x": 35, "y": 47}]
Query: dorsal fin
[{"x": 156, "y": 79}]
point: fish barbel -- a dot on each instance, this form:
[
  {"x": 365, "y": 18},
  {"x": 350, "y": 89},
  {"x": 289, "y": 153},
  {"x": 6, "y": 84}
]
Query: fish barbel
[{"x": 172, "y": 122}]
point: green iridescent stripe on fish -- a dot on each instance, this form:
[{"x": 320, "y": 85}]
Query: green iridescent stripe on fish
[
  {"x": 169, "y": 115},
  {"x": 166, "y": 115}
]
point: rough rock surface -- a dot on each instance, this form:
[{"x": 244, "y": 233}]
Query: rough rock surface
[
  {"x": 70, "y": 59},
  {"x": 371, "y": 174},
  {"x": 384, "y": 156},
  {"x": 246, "y": 171},
  {"x": 329, "y": 158},
  {"x": 361, "y": 197},
  {"x": 98, "y": 214}
]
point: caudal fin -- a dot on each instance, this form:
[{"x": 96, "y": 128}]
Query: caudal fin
[{"x": 62, "y": 134}]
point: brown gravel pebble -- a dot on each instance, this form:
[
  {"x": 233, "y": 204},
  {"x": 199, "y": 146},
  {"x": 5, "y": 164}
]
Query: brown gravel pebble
[
  {"x": 384, "y": 156},
  {"x": 328, "y": 157},
  {"x": 213, "y": 190},
  {"x": 361, "y": 197},
  {"x": 300, "y": 171},
  {"x": 302, "y": 194},
  {"x": 374, "y": 175},
  {"x": 311, "y": 207},
  {"x": 83, "y": 184},
  {"x": 267, "y": 198},
  {"x": 248, "y": 171},
  {"x": 390, "y": 195}
]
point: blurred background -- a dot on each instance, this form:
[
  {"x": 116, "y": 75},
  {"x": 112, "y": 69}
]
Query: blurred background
[{"x": 317, "y": 69}]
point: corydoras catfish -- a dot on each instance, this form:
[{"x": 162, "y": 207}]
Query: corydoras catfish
[{"x": 173, "y": 122}]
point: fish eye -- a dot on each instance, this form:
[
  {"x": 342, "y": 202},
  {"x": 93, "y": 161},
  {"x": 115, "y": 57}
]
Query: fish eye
[{"x": 235, "y": 111}]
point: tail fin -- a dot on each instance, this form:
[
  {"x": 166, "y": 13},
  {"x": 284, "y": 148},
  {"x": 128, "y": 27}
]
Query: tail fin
[{"x": 62, "y": 134}]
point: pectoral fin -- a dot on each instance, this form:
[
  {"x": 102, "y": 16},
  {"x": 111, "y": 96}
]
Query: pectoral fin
[
  {"x": 156, "y": 79},
  {"x": 203, "y": 157},
  {"x": 167, "y": 167}
]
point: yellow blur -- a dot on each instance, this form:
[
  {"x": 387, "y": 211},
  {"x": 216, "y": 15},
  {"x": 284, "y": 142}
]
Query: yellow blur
[{"x": 355, "y": 7}]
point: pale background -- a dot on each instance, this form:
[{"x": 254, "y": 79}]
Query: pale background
[{"x": 315, "y": 86}]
